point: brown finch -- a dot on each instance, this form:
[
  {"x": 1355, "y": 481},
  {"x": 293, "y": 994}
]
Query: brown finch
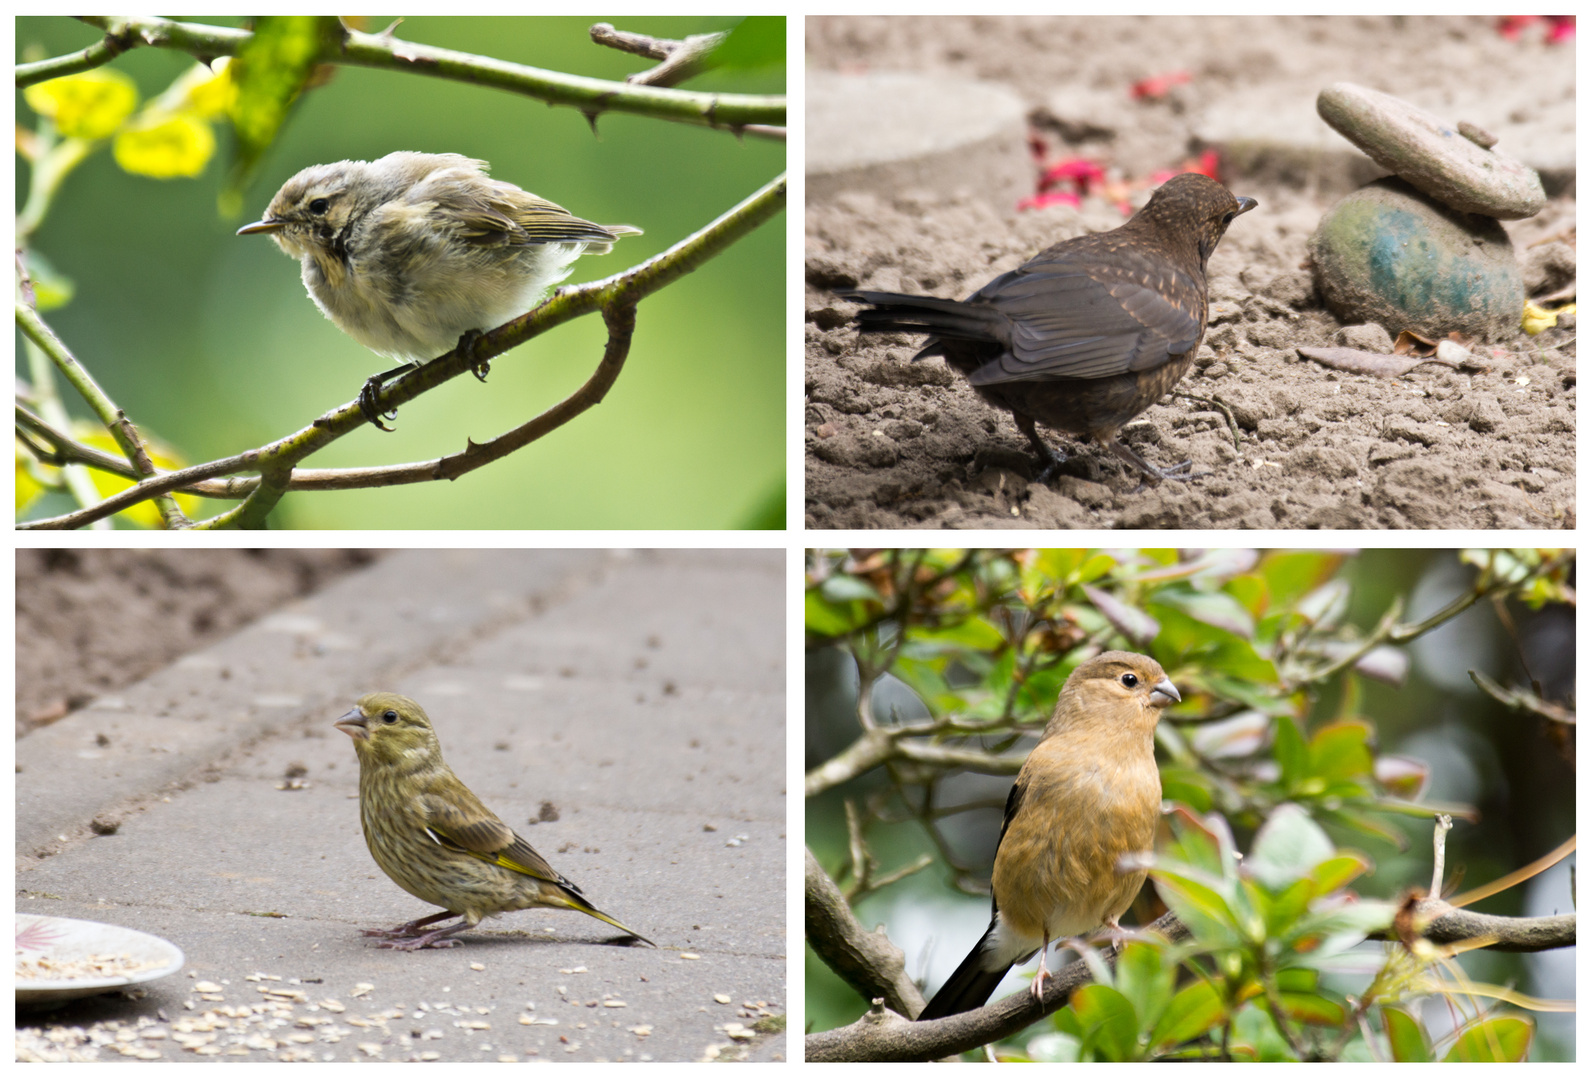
[
  {"x": 1088, "y": 795},
  {"x": 435, "y": 838}
]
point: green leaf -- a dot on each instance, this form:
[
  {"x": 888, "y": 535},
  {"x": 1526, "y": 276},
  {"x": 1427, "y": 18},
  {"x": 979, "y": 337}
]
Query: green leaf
[
  {"x": 1214, "y": 609},
  {"x": 1286, "y": 907},
  {"x": 1250, "y": 592},
  {"x": 825, "y": 619},
  {"x": 1187, "y": 785},
  {"x": 1193, "y": 1012},
  {"x": 839, "y": 588},
  {"x": 1494, "y": 1038},
  {"x": 1313, "y": 1009},
  {"x": 1199, "y": 901},
  {"x": 1107, "y": 1021},
  {"x": 1096, "y": 567},
  {"x": 1407, "y": 1039},
  {"x": 1287, "y": 847},
  {"x": 1330, "y": 875},
  {"x": 1144, "y": 979},
  {"x": 1290, "y": 752},
  {"x": 1340, "y": 751},
  {"x": 1290, "y": 575},
  {"x": 758, "y": 41},
  {"x": 273, "y": 68}
]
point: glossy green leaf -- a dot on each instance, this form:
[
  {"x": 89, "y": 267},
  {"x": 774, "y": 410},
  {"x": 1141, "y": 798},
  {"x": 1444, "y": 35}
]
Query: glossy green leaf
[
  {"x": 1108, "y": 1025},
  {"x": 1214, "y": 609},
  {"x": 1313, "y": 1009},
  {"x": 1194, "y": 1011},
  {"x": 1290, "y": 575},
  {"x": 1407, "y": 1039},
  {"x": 1289, "y": 750},
  {"x": 1144, "y": 978},
  {"x": 1494, "y": 1038},
  {"x": 1340, "y": 750},
  {"x": 1287, "y": 847}
]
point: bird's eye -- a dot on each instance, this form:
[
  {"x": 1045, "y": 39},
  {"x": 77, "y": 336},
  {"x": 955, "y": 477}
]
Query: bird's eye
[
  {"x": 319, "y": 206},
  {"x": 1129, "y": 680},
  {"x": 1227, "y": 218},
  {"x": 390, "y": 717}
]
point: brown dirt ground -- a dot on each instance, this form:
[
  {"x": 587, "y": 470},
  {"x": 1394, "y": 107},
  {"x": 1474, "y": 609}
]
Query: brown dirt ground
[
  {"x": 90, "y": 621},
  {"x": 899, "y": 445}
]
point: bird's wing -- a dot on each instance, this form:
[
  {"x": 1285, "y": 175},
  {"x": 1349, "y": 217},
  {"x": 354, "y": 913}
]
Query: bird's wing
[
  {"x": 1015, "y": 802},
  {"x": 490, "y": 212},
  {"x": 476, "y": 831},
  {"x": 1074, "y": 318}
]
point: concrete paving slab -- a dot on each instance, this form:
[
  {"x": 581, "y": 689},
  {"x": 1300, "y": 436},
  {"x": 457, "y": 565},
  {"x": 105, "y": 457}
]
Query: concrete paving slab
[
  {"x": 640, "y": 695},
  {"x": 888, "y": 132}
]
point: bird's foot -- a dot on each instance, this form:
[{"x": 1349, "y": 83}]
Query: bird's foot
[
  {"x": 1148, "y": 471},
  {"x": 435, "y": 939},
  {"x": 1037, "y": 985},
  {"x": 467, "y": 342},
  {"x": 409, "y": 931},
  {"x": 368, "y": 395},
  {"x": 1052, "y": 459}
]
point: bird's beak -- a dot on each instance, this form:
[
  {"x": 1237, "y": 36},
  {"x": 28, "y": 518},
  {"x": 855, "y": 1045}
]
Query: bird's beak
[
  {"x": 1164, "y": 692},
  {"x": 268, "y": 225},
  {"x": 1246, "y": 203},
  {"x": 354, "y": 725}
]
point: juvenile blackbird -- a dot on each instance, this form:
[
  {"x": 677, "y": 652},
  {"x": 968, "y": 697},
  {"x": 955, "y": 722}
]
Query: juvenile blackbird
[
  {"x": 1089, "y": 333},
  {"x": 1088, "y": 794}
]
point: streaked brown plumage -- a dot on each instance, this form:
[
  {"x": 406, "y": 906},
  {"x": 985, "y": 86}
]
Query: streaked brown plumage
[
  {"x": 1091, "y": 332},
  {"x": 435, "y": 838},
  {"x": 1087, "y": 795}
]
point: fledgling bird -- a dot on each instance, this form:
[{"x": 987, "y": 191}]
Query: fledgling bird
[
  {"x": 411, "y": 254},
  {"x": 1091, "y": 332},
  {"x": 435, "y": 838},
  {"x": 1087, "y": 795}
]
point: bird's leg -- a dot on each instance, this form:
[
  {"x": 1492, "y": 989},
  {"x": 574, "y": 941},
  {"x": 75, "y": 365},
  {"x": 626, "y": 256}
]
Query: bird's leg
[
  {"x": 1052, "y": 458},
  {"x": 407, "y": 936},
  {"x": 1180, "y": 471},
  {"x": 467, "y": 342},
  {"x": 407, "y": 940},
  {"x": 372, "y": 387},
  {"x": 1037, "y": 986}
]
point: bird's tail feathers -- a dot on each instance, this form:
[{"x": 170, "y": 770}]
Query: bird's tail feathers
[
  {"x": 926, "y": 315},
  {"x": 970, "y": 986},
  {"x": 577, "y": 904}
]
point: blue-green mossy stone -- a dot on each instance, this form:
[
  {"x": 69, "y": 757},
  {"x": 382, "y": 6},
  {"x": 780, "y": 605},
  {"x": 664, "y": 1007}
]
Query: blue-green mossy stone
[{"x": 1389, "y": 254}]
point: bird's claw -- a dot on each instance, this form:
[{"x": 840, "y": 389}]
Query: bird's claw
[{"x": 368, "y": 406}]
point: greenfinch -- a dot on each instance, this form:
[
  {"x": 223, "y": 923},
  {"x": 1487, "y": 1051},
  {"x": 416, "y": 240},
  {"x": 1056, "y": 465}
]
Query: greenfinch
[
  {"x": 1088, "y": 796},
  {"x": 435, "y": 838}
]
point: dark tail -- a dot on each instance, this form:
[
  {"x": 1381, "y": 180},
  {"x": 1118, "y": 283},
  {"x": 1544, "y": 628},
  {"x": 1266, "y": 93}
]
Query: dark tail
[
  {"x": 969, "y": 987},
  {"x": 927, "y": 315}
]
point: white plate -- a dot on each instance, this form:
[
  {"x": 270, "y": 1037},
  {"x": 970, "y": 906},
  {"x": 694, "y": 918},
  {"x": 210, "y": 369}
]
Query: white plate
[{"x": 42, "y": 937}]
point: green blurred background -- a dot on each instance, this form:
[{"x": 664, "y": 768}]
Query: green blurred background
[
  {"x": 209, "y": 342},
  {"x": 1480, "y": 754}
]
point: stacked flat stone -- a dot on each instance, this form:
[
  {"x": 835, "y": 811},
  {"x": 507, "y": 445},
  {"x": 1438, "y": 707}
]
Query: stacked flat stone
[{"x": 1422, "y": 250}]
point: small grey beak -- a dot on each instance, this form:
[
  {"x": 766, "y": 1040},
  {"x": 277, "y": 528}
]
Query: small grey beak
[
  {"x": 1246, "y": 203},
  {"x": 263, "y": 225},
  {"x": 1164, "y": 693},
  {"x": 352, "y": 724}
]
